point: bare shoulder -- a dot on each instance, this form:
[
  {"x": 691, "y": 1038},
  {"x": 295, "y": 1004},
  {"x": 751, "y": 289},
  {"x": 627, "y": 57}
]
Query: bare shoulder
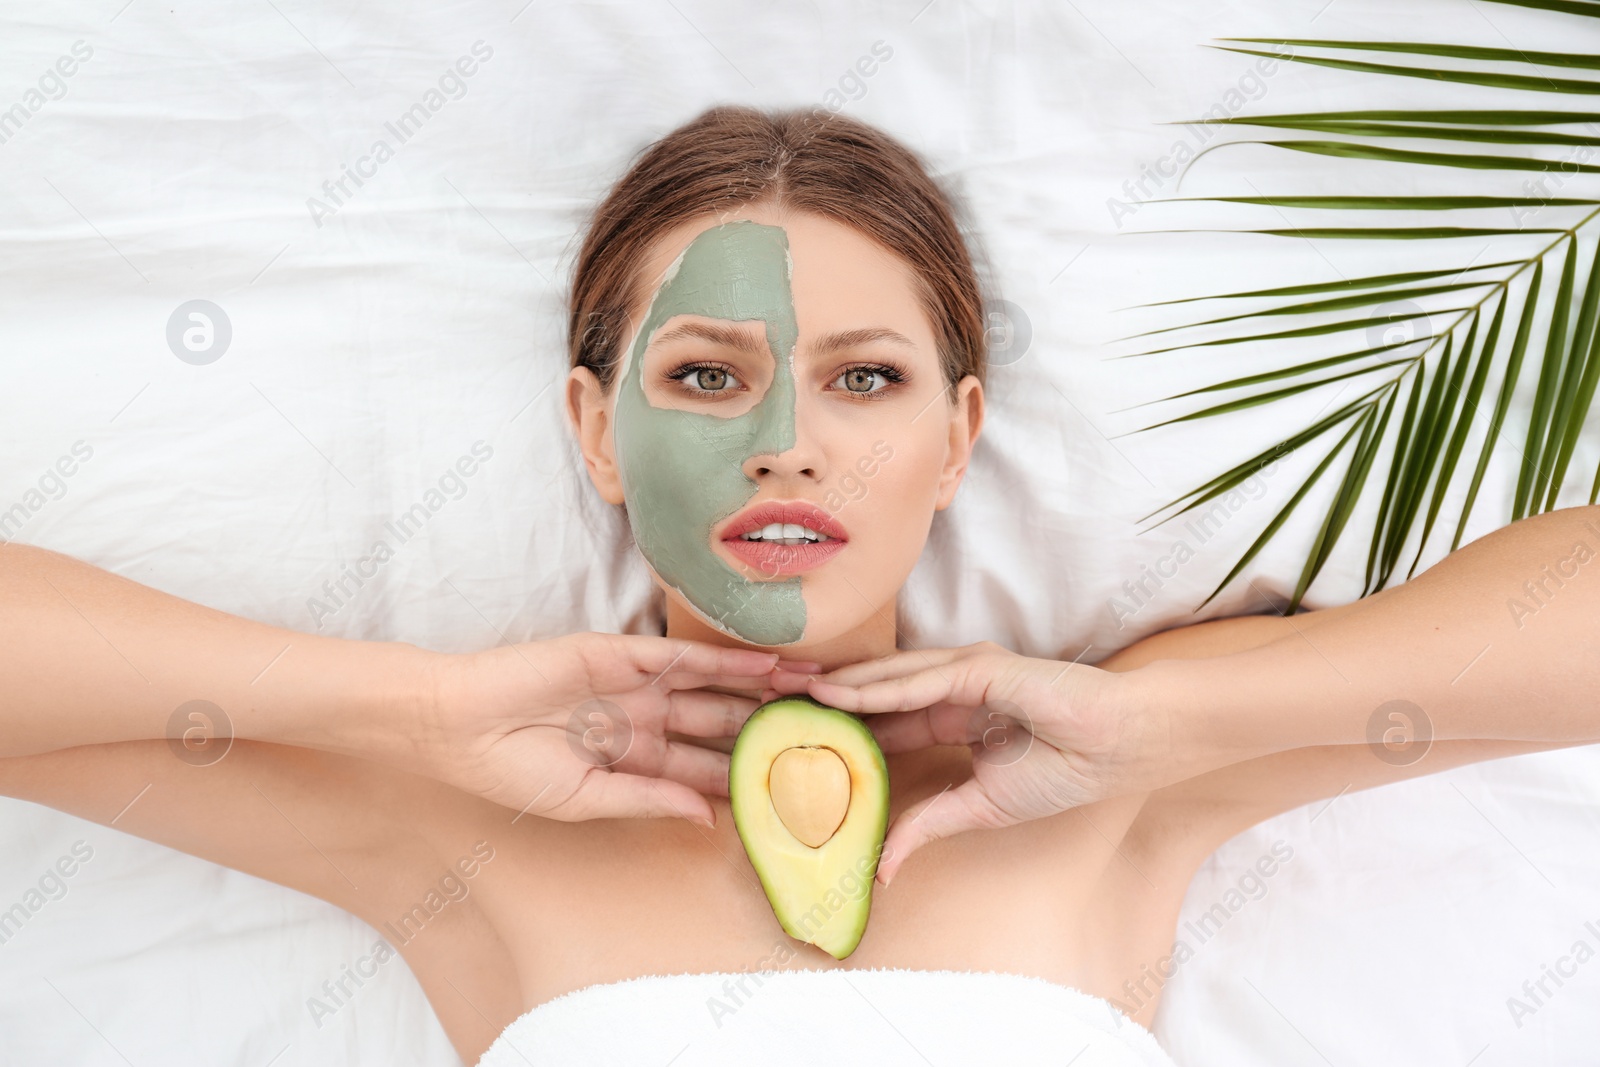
[{"x": 402, "y": 852}]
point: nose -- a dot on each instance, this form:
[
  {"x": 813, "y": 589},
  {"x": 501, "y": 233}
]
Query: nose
[
  {"x": 784, "y": 443},
  {"x": 795, "y": 455},
  {"x": 803, "y": 461}
]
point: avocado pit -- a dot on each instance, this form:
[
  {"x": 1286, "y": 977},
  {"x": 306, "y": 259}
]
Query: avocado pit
[{"x": 810, "y": 790}]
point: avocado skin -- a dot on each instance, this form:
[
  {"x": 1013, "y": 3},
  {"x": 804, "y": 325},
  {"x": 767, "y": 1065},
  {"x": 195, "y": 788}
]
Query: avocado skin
[{"x": 808, "y": 888}]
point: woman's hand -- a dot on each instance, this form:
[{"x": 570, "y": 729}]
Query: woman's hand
[
  {"x": 1045, "y": 736},
  {"x": 575, "y": 727}
]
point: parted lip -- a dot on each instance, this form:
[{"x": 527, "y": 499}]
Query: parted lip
[{"x": 799, "y": 512}]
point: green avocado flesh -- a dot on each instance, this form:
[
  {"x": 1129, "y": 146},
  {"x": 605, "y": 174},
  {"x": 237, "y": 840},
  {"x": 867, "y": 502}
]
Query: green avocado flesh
[{"x": 821, "y": 895}]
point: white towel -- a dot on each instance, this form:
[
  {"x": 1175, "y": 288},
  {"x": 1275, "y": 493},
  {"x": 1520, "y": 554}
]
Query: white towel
[{"x": 883, "y": 1017}]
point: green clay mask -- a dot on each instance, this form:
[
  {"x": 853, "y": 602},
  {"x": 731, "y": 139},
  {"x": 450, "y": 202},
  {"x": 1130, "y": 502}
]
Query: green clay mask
[{"x": 682, "y": 471}]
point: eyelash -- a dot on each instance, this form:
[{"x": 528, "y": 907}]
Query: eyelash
[{"x": 892, "y": 374}]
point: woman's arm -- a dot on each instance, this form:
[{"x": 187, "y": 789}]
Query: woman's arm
[
  {"x": 1197, "y": 815},
  {"x": 1500, "y": 640},
  {"x": 1492, "y": 652},
  {"x": 574, "y": 727},
  {"x": 90, "y": 657}
]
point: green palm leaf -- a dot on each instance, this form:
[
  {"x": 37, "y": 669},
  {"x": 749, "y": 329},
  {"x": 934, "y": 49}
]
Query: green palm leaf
[
  {"x": 1538, "y": 463},
  {"x": 1278, "y": 335},
  {"x": 1435, "y": 159},
  {"x": 1339, "y": 303},
  {"x": 1457, "y": 360},
  {"x": 1501, "y": 117},
  {"x": 1519, "y": 348},
  {"x": 1577, "y": 388},
  {"x": 1396, "y": 203},
  {"x": 1437, "y": 133},
  {"x": 1463, "y": 423},
  {"x": 1342, "y": 285},
  {"x": 1577, "y": 60},
  {"x": 1570, "y": 7},
  {"x": 1537, "y": 83}
]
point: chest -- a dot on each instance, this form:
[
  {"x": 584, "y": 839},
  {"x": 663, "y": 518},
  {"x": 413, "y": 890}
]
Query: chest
[{"x": 583, "y": 903}]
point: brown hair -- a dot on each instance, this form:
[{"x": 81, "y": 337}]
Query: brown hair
[{"x": 806, "y": 159}]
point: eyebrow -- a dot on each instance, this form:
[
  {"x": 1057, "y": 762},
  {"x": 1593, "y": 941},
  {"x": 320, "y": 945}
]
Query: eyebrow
[{"x": 755, "y": 344}]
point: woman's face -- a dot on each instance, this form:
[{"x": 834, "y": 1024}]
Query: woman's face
[{"x": 781, "y": 359}]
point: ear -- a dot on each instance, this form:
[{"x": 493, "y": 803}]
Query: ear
[
  {"x": 966, "y": 422},
  {"x": 589, "y": 414}
]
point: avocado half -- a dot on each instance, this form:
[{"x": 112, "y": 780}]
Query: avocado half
[{"x": 809, "y": 790}]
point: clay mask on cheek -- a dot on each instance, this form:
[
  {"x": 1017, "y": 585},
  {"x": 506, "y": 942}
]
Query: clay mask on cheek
[{"x": 682, "y": 471}]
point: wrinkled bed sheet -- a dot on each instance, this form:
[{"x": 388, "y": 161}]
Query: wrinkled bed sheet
[{"x": 368, "y": 340}]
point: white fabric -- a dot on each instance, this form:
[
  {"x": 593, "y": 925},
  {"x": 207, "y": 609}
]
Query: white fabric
[
  {"x": 887, "y": 1017},
  {"x": 369, "y": 353}
]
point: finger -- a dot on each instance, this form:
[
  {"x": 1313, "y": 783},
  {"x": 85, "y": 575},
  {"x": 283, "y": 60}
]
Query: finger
[
  {"x": 964, "y": 681},
  {"x": 660, "y": 655},
  {"x": 676, "y": 679},
  {"x": 705, "y": 770},
  {"x": 894, "y": 666},
  {"x": 910, "y": 731},
  {"x": 954, "y": 811},
  {"x": 801, "y": 666},
  {"x": 697, "y": 766},
  {"x": 613, "y": 795},
  {"x": 787, "y": 683},
  {"x": 905, "y": 731},
  {"x": 702, "y": 713}
]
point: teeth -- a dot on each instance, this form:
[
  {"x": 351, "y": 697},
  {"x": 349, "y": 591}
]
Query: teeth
[{"x": 786, "y": 533}]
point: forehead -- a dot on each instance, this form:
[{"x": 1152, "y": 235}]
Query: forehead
[
  {"x": 836, "y": 272},
  {"x": 738, "y": 270}
]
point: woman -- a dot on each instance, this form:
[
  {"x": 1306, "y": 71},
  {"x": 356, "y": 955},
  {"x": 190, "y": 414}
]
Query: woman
[{"x": 763, "y": 303}]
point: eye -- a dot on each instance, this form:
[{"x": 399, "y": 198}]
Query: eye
[
  {"x": 707, "y": 379},
  {"x": 858, "y": 379}
]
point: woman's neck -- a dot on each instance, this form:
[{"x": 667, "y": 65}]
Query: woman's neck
[
  {"x": 874, "y": 638},
  {"x": 914, "y": 774}
]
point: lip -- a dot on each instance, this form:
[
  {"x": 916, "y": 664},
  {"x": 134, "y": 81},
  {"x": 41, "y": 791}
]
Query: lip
[
  {"x": 774, "y": 559},
  {"x": 799, "y": 512}
]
